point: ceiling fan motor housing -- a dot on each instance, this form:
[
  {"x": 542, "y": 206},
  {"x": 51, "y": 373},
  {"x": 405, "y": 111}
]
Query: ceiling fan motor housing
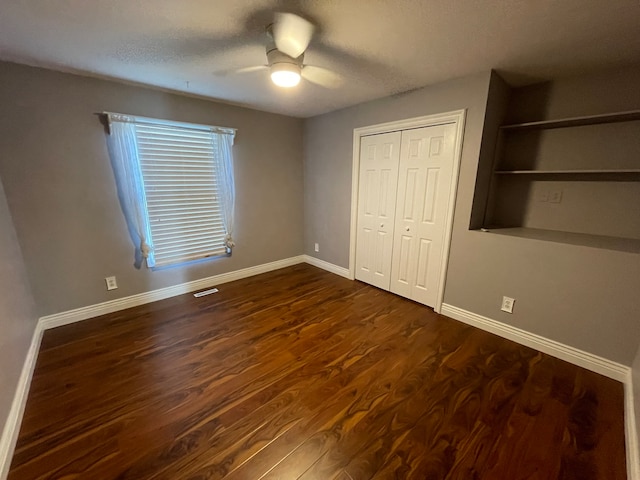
[
  {"x": 275, "y": 56},
  {"x": 285, "y": 71}
]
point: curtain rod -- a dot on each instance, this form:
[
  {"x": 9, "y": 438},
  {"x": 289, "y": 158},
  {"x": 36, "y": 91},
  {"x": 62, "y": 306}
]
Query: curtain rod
[{"x": 159, "y": 121}]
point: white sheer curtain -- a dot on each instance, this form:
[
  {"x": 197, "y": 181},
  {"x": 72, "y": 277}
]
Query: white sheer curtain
[
  {"x": 123, "y": 151},
  {"x": 226, "y": 184}
]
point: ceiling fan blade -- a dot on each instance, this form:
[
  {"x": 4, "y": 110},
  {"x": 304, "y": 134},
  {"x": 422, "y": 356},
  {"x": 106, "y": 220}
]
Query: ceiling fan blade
[
  {"x": 292, "y": 34},
  {"x": 322, "y": 76},
  {"x": 239, "y": 71}
]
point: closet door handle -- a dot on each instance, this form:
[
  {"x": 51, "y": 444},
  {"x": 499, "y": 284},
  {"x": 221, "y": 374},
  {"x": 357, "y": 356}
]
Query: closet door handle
[
  {"x": 382, "y": 225},
  {"x": 406, "y": 228}
]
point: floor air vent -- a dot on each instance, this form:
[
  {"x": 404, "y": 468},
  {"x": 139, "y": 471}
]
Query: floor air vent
[{"x": 205, "y": 292}]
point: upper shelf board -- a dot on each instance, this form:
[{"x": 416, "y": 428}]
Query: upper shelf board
[{"x": 577, "y": 121}]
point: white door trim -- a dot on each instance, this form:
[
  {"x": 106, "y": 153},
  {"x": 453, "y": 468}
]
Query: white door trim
[{"x": 456, "y": 117}]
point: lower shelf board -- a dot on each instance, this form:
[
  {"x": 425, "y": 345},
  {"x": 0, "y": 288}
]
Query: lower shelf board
[
  {"x": 597, "y": 241},
  {"x": 633, "y": 171}
]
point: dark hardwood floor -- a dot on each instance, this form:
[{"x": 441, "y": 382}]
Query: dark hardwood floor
[{"x": 300, "y": 374}]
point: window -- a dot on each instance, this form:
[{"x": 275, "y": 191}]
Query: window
[{"x": 175, "y": 183}]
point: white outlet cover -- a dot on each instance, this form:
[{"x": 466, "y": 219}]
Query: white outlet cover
[
  {"x": 316, "y": 247},
  {"x": 111, "y": 283},
  {"x": 507, "y": 304}
]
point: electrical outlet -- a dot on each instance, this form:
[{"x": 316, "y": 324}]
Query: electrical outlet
[
  {"x": 555, "y": 196},
  {"x": 111, "y": 283},
  {"x": 507, "y": 304},
  {"x": 316, "y": 247}
]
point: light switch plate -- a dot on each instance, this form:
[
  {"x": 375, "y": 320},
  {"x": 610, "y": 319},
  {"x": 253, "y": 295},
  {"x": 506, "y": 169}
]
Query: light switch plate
[{"x": 555, "y": 196}]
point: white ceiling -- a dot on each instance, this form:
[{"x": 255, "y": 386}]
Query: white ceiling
[{"x": 379, "y": 47}]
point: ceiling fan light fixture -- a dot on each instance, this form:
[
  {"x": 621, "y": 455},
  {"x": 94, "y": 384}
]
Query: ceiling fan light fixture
[{"x": 285, "y": 75}]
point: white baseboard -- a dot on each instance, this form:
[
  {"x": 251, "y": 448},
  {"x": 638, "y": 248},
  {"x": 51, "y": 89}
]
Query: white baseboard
[
  {"x": 83, "y": 313},
  {"x": 12, "y": 426},
  {"x": 573, "y": 355},
  {"x": 631, "y": 432},
  {"x": 597, "y": 364},
  {"x": 329, "y": 267}
]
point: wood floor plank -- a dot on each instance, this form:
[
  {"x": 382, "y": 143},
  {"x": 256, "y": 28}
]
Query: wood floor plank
[
  {"x": 358, "y": 355},
  {"x": 300, "y": 374},
  {"x": 327, "y": 426}
]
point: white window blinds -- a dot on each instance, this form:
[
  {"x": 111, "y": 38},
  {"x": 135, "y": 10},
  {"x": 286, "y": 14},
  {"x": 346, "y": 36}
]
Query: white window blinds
[{"x": 185, "y": 185}]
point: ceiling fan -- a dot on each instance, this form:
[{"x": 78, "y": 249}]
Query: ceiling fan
[{"x": 287, "y": 40}]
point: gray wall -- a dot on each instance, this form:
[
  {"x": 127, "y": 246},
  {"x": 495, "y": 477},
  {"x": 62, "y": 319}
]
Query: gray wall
[
  {"x": 499, "y": 93},
  {"x": 17, "y": 312},
  {"x": 580, "y": 296},
  {"x": 328, "y": 144},
  {"x": 604, "y": 91},
  {"x": 61, "y": 191}
]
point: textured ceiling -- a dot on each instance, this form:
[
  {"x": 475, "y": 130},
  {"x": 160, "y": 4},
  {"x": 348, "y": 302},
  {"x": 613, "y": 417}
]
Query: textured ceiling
[{"x": 378, "y": 47}]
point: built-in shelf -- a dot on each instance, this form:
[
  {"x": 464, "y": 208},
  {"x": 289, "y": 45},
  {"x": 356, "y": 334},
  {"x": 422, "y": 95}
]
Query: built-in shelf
[
  {"x": 562, "y": 172},
  {"x": 597, "y": 178},
  {"x": 577, "y": 121},
  {"x": 631, "y": 245}
]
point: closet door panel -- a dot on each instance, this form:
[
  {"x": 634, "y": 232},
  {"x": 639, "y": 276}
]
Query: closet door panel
[
  {"x": 426, "y": 166},
  {"x": 379, "y": 161}
]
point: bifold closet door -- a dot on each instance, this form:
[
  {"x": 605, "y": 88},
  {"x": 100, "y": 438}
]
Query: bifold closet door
[
  {"x": 379, "y": 162},
  {"x": 424, "y": 187}
]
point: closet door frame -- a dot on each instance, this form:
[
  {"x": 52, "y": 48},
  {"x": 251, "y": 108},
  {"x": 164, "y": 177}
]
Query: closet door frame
[{"x": 457, "y": 118}]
